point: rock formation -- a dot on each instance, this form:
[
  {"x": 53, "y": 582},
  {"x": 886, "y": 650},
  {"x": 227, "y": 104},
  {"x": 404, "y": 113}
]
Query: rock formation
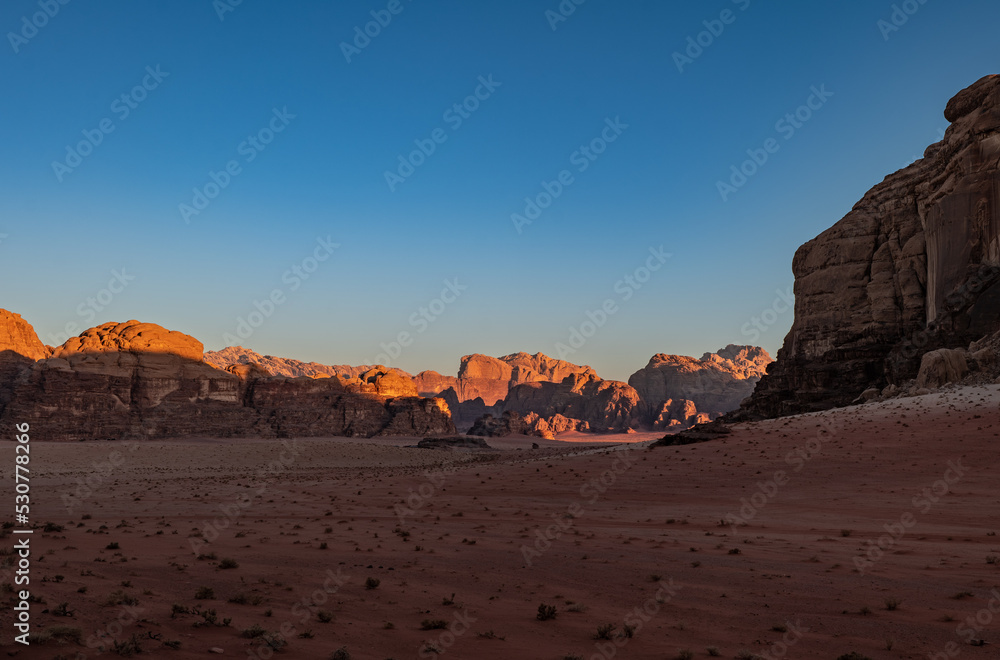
[
  {"x": 679, "y": 391},
  {"x": 490, "y": 379},
  {"x": 279, "y": 366},
  {"x": 914, "y": 267},
  {"x": 600, "y": 405},
  {"x": 140, "y": 380}
]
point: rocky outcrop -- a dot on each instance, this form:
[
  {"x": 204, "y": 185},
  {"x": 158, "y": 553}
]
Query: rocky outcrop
[
  {"x": 507, "y": 424},
  {"x": 604, "y": 405},
  {"x": 18, "y": 337},
  {"x": 914, "y": 267},
  {"x": 139, "y": 380},
  {"x": 279, "y": 366},
  {"x": 490, "y": 379},
  {"x": 678, "y": 391}
]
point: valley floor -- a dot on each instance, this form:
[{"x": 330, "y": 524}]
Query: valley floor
[{"x": 868, "y": 529}]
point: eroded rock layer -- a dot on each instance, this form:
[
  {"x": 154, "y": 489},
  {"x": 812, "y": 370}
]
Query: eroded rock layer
[{"x": 914, "y": 267}]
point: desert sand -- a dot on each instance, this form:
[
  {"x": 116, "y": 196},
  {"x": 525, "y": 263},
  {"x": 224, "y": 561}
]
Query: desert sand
[{"x": 359, "y": 545}]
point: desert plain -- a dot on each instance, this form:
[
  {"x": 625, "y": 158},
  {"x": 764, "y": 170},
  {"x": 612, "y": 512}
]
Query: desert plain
[{"x": 869, "y": 529}]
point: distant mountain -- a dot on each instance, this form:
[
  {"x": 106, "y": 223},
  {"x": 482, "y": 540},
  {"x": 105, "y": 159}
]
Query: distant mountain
[{"x": 287, "y": 367}]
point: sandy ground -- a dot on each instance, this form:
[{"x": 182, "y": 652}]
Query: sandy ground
[{"x": 765, "y": 542}]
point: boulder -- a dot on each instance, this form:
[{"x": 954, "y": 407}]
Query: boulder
[{"x": 941, "y": 367}]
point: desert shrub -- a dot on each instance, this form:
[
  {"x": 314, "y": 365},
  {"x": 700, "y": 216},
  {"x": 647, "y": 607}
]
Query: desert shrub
[{"x": 546, "y": 612}]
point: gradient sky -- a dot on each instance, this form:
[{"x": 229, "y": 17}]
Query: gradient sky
[{"x": 323, "y": 176}]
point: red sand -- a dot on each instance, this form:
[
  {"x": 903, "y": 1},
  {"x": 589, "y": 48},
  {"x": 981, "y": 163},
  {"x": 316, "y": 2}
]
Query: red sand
[{"x": 799, "y": 564}]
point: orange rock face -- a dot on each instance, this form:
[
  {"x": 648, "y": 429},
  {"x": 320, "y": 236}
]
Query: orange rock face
[
  {"x": 139, "y": 380},
  {"x": 18, "y": 337}
]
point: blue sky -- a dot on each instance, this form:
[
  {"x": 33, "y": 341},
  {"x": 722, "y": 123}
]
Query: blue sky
[{"x": 268, "y": 91}]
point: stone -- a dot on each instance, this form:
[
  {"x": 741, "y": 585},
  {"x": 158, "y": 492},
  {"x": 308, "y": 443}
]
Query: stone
[
  {"x": 941, "y": 367},
  {"x": 677, "y": 387},
  {"x": 912, "y": 268}
]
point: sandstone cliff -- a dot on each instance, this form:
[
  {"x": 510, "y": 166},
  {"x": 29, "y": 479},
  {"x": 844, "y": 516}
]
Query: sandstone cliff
[
  {"x": 679, "y": 391},
  {"x": 279, "y": 366},
  {"x": 140, "y": 380},
  {"x": 915, "y": 266}
]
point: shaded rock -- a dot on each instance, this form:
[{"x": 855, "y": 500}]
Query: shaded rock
[
  {"x": 675, "y": 388},
  {"x": 941, "y": 367},
  {"x": 455, "y": 442},
  {"x": 140, "y": 380},
  {"x": 509, "y": 423},
  {"x": 912, "y": 268},
  {"x": 605, "y": 405},
  {"x": 701, "y": 433}
]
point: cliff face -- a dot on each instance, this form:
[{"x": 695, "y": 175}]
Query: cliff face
[
  {"x": 490, "y": 379},
  {"x": 139, "y": 380},
  {"x": 679, "y": 391},
  {"x": 913, "y": 267},
  {"x": 289, "y": 368}
]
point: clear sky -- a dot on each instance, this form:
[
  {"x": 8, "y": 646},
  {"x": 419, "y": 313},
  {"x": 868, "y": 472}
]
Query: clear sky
[{"x": 287, "y": 118}]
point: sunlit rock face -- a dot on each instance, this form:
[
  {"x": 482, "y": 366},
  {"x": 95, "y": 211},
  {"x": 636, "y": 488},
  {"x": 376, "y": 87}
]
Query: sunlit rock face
[
  {"x": 915, "y": 266},
  {"x": 139, "y": 380}
]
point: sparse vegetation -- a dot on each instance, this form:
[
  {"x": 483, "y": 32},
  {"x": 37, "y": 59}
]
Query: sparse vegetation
[
  {"x": 605, "y": 631},
  {"x": 892, "y": 604},
  {"x": 546, "y": 612},
  {"x": 324, "y": 616},
  {"x": 433, "y": 624},
  {"x": 204, "y": 593},
  {"x": 341, "y": 654},
  {"x": 372, "y": 583},
  {"x": 228, "y": 563}
]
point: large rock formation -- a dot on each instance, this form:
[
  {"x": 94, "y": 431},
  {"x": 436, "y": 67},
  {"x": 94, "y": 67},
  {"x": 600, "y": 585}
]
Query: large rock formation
[
  {"x": 604, "y": 405},
  {"x": 289, "y": 368},
  {"x": 679, "y": 391},
  {"x": 19, "y": 347},
  {"x": 140, "y": 380},
  {"x": 914, "y": 267},
  {"x": 490, "y": 379}
]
